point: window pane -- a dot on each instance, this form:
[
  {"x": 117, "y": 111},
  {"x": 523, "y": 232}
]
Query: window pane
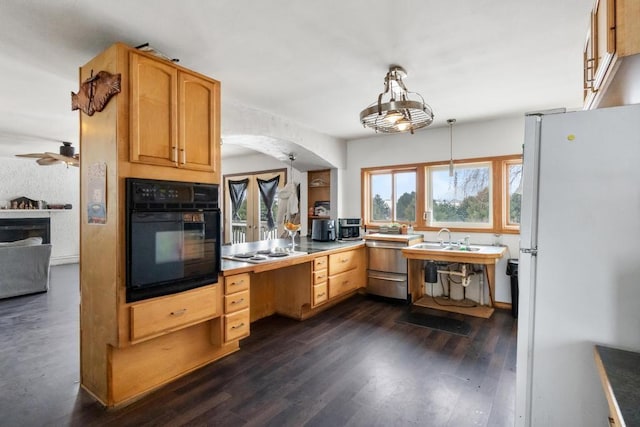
[
  {"x": 515, "y": 193},
  {"x": 405, "y": 196},
  {"x": 464, "y": 198},
  {"x": 381, "y": 197}
]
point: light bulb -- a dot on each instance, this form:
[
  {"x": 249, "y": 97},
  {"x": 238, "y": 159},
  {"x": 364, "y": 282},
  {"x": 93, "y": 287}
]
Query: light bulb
[
  {"x": 393, "y": 116},
  {"x": 403, "y": 124}
]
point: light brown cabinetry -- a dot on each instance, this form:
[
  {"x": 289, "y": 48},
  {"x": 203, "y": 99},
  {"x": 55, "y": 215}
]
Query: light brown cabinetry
[
  {"x": 318, "y": 190},
  {"x": 236, "y": 307},
  {"x": 346, "y": 272},
  {"x": 319, "y": 290},
  {"x": 128, "y": 349},
  {"x": 174, "y": 116},
  {"x": 614, "y": 34},
  {"x": 161, "y": 315}
]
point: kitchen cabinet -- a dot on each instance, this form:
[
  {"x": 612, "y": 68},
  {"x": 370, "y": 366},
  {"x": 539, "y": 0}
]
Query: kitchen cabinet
[
  {"x": 613, "y": 35},
  {"x": 236, "y": 307},
  {"x": 174, "y": 116},
  {"x": 158, "y": 316},
  {"x": 319, "y": 291},
  {"x": 128, "y": 349},
  {"x": 318, "y": 190},
  {"x": 346, "y": 272}
]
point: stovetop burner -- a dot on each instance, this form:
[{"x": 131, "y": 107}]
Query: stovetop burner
[{"x": 263, "y": 255}]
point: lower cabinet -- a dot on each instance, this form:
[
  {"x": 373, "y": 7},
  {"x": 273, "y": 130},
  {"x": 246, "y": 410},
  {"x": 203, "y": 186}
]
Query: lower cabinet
[
  {"x": 236, "y": 307},
  {"x": 319, "y": 292},
  {"x": 346, "y": 272},
  {"x": 156, "y": 317}
]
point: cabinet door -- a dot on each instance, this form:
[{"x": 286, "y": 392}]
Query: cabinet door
[
  {"x": 153, "y": 116},
  {"x": 603, "y": 29},
  {"x": 198, "y": 117}
]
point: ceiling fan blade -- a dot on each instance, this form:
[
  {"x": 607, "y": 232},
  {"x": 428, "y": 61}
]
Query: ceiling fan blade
[
  {"x": 47, "y": 161},
  {"x": 32, "y": 155},
  {"x": 68, "y": 160}
]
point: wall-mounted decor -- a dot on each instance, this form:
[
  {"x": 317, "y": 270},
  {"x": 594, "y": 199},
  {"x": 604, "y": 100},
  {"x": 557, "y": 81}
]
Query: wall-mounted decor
[
  {"x": 95, "y": 92},
  {"x": 97, "y": 194}
]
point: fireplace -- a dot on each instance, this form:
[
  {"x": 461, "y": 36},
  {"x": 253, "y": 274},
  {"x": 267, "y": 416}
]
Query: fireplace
[{"x": 21, "y": 228}]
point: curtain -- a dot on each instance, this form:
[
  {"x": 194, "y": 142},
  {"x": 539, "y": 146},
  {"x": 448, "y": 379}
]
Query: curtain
[
  {"x": 268, "y": 191},
  {"x": 237, "y": 194}
]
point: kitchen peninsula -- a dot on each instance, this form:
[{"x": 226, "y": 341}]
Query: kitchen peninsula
[{"x": 316, "y": 276}]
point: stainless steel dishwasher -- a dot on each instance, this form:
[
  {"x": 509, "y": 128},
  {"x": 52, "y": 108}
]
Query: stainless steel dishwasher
[{"x": 387, "y": 272}]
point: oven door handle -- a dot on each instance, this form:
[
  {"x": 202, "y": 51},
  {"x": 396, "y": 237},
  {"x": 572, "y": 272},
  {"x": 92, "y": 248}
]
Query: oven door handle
[{"x": 387, "y": 278}]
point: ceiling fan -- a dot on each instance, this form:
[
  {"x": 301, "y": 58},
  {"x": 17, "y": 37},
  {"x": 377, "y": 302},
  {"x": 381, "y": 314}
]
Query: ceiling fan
[{"x": 66, "y": 155}]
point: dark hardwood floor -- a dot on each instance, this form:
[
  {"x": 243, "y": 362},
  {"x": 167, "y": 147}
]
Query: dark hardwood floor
[{"x": 352, "y": 365}]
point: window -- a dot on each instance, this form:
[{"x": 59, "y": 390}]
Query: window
[
  {"x": 463, "y": 199},
  {"x": 392, "y": 196},
  {"x": 482, "y": 195},
  {"x": 513, "y": 193}
]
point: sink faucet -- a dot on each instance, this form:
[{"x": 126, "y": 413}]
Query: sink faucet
[{"x": 448, "y": 231}]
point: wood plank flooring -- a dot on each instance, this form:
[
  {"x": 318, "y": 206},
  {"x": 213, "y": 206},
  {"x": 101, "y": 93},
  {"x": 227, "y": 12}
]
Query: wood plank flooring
[{"x": 352, "y": 365}]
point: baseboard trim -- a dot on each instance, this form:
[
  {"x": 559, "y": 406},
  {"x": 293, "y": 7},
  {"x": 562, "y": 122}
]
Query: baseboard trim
[
  {"x": 59, "y": 260},
  {"x": 502, "y": 305}
]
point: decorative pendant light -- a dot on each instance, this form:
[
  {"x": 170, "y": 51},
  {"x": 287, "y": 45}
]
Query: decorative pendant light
[
  {"x": 451, "y": 122},
  {"x": 398, "y": 113}
]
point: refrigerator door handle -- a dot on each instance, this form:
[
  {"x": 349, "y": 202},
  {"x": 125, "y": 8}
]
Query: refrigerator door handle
[{"x": 530, "y": 251}]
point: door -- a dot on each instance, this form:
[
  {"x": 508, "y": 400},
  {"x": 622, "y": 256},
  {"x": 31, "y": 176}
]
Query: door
[
  {"x": 153, "y": 103},
  {"x": 198, "y": 114},
  {"x": 249, "y": 212}
]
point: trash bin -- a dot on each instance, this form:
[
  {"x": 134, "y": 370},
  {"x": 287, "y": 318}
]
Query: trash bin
[{"x": 512, "y": 270}]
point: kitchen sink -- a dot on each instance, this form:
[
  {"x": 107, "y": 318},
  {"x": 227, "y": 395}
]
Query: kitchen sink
[{"x": 434, "y": 246}]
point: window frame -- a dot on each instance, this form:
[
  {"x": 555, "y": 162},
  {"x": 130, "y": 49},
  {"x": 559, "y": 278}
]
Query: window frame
[
  {"x": 498, "y": 190},
  {"x": 479, "y": 226},
  {"x": 366, "y": 200},
  {"x": 506, "y": 203}
]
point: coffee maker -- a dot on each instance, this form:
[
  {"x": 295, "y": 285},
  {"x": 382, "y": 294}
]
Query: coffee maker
[{"x": 349, "y": 228}]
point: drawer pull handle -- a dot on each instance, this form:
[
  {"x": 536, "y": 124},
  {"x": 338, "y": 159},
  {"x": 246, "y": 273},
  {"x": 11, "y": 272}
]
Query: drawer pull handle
[
  {"x": 237, "y": 302},
  {"x": 320, "y": 277},
  {"x": 345, "y": 282},
  {"x": 179, "y": 312},
  {"x": 344, "y": 260},
  {"x": 237, "y": 283},
  {"x": 238, "y": 326},
  {"x": 321, "y": 295}
]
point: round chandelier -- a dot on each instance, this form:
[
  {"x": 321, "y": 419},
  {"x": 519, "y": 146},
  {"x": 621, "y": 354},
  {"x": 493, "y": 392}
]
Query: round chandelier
[{"x": 395, "y": 111}]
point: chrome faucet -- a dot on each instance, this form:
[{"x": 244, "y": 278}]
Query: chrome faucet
[{"x": 448, "y": 231}]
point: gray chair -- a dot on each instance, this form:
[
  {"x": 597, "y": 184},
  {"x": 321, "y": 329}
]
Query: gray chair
[{"x": 24, "y": 267}]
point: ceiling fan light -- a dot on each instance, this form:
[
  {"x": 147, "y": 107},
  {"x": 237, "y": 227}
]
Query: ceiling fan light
[{"x": 394, "y": 105}]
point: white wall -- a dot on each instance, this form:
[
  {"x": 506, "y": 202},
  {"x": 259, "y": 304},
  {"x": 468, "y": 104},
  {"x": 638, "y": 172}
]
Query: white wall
[
  {"x": 470, "y": 140},
  {"x": 54, "y": 184}
]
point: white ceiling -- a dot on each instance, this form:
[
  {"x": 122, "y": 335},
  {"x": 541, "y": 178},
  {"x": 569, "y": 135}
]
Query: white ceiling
[{"x": 316, "y": 63}]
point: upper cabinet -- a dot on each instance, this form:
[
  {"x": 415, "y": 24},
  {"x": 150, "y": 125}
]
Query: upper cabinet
[
  {"x": 174, "y": 116},
  {"x": 613, "y": 35}
]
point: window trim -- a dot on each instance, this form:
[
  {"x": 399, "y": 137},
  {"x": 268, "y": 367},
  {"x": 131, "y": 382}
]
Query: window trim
[
  {"x": 498, "y": 191},
  {"x": 366, "y": 203},
  {"x": 506, "y": 202}
]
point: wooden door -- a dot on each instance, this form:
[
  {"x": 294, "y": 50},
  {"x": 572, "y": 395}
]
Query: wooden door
[
  {"x": 198, "y": 114},
  {"x": 153, "y": 114}
]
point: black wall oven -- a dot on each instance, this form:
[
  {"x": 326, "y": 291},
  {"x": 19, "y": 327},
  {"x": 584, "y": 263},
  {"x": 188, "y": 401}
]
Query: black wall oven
[{"x": 173, "y": 237}]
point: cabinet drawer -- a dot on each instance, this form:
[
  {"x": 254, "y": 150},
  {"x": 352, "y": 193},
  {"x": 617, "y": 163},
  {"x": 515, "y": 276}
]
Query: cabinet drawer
[
  {"x": 236, "y": 283},
  {"x": 342, "y": 261},
  {"x": 235, "y": 302},
  {"x": 236, "y": 325},
  {"x": 320, "y": 263},
  {"x": 320, "y": 294},
  {"x": 149, "y": 319},
  {"x": 319, "y": 277},
  {"x": 344, "y": 282}
]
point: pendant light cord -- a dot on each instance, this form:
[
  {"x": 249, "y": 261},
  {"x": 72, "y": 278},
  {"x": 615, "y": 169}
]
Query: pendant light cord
[{"x": 451, "y": 122}]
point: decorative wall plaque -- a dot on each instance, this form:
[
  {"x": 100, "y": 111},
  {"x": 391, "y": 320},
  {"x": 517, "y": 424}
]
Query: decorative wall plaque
[{"x": 95, "y": 92}]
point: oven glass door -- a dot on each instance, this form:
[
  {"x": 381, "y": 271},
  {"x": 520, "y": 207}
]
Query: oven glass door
[{"x": 171, "y": 248}]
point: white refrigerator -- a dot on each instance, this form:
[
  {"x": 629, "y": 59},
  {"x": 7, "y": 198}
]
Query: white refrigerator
[{"x": 579, "y": 269}]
